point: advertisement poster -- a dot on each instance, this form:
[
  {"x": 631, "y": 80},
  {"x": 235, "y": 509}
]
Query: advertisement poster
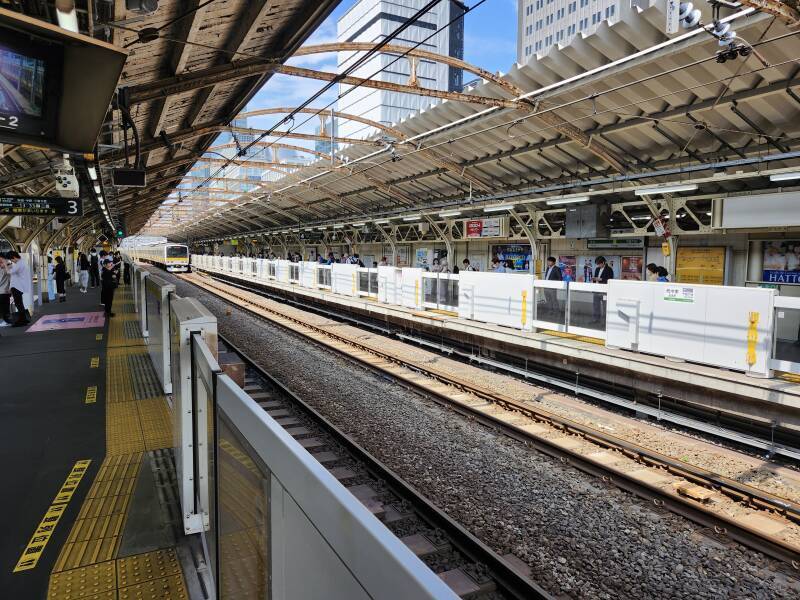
[
  {"x": 518, "y": 254},
  {"x": 631, "y": 268},
  {"x": 567, "y": 266},
  {"x": 483, "y": 228},
  {"x": 402, "y": 256},
  {"x": 781, "y": 262},
  {"x": 423, "y": 258},
  {"x": 583, "y": 267},
  {"x": 700, "y": 265}
]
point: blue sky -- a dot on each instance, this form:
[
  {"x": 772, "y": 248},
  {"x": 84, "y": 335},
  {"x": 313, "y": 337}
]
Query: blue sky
[{"x": 489, "y": 42}]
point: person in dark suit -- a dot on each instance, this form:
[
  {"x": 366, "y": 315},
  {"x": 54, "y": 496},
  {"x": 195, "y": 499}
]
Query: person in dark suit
[
  {"x": 552, "y": 273},
  {"x": 602, "y": 273}
]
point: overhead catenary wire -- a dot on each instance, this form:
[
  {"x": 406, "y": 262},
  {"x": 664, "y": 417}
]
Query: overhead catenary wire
[{"x": 363, "y": 59}]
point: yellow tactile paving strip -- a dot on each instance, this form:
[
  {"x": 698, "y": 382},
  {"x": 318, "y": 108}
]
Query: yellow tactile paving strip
[
  {"x": 145, "y": 576},
  {"x": 88, "y": 566}
]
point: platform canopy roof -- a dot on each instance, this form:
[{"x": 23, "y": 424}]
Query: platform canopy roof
[
  {"x": 624, "y": 107},
  {"x": 181, "y": 37}
]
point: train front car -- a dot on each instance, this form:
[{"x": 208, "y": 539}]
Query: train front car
[{"x": 176, "y": 258}]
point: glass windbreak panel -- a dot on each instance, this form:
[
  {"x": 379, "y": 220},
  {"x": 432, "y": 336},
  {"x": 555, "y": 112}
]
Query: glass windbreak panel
[
  {"x": 446, "y": 297},
  {"x": 363, "y": 281},
  {"x": 429, "y": 289},
  {"x": 243, "y": 507},
  {"x": 373, "y": 282},
  {"x": 327, "y": 277},
  {"x": 177, "y": 252},
  {"x": 787, "y": 334},
  {"x": 551, "y": 305},
  {"x": 294, "y": 272},
  {"x": 272, "y": 270},
  {"x": 587, "y": 309}
]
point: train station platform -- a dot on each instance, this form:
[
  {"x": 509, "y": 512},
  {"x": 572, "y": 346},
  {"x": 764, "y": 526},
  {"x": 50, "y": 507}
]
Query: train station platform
[
  {"x": 83, "y": 431},
  {"x": 652, "y": 382}
]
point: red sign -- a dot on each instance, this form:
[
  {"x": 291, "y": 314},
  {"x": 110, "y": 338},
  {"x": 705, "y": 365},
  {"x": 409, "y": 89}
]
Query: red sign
[{"x": 474, "y": 228}]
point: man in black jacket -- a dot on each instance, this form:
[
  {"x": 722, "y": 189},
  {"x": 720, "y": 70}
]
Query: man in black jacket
[
  {"x": 94, "y": 268},
  {"x": 108, "y": 279},
  {"x": 602, "y": 273},
  {"x": 552, "y": 273}
]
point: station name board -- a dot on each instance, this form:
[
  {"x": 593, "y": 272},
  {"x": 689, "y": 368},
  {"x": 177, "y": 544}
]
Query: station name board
[{"x": 54, "y": 206}]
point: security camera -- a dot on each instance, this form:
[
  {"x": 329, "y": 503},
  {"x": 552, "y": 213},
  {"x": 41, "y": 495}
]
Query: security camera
[{"x": 66, "y": 182}]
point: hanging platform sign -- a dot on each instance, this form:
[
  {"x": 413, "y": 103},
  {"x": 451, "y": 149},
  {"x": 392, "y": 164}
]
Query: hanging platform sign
[
  {"x": 485, "y": 228},
  {"x": 54, "y": 206}
]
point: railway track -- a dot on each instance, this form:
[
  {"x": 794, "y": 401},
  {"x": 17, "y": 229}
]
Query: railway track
[
  {"x": 749, "y": 516},
  {"x": 469, "y": 567}
]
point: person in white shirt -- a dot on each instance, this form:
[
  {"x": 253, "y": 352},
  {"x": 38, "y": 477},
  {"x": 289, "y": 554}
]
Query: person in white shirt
[
  {"x": 498, "y": 266},
  {"x": 5, "y": 293},
  {"x": 467, "y": 266},
  {"x": 21, "y": 284}
]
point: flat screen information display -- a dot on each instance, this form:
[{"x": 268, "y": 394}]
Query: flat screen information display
[
  {"x": 22, "y": 91},
  {"x": 40, "y": 205}
]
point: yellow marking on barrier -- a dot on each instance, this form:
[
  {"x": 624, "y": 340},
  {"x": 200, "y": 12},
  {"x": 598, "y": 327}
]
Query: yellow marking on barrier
[
  {"x": 95, "y": 362},
  {"x": 33, "y": 551},
  {"x": 91, "y": 395},
  {"x": 416, "y": 293},
  {"x": 572, "y": 336},
  {"x": 524, "y": 307},
  {"x": 752, "y": 337}
]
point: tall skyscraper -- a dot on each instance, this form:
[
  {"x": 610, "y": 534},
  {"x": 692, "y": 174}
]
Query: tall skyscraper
[
  {"x": 371, "y": 21},
  {"x": 543, "y": 23}
]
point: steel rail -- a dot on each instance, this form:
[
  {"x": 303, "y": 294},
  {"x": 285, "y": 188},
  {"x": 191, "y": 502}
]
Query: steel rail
[
  {"x": 508, "y": 580},
  {"x": 685, "y": 507}
]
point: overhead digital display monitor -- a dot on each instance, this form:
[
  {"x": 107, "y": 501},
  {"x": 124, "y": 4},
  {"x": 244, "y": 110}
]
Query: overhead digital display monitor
[
  {"x": 55, "y": 85},
  {"x": 54, "y": 206},
  {"x": 29, "y": 76}
]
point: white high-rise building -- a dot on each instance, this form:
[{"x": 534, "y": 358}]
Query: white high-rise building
[
  {"x": 543, "y": 23},
  {"x": 371, "y": 21}
]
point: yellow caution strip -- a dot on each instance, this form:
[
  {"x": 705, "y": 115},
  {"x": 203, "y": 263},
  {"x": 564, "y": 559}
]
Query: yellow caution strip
[
  {"x": 33, "y": 551},
  {"x": 95, "y": 362},
  {"x": 91, "y": 394}
]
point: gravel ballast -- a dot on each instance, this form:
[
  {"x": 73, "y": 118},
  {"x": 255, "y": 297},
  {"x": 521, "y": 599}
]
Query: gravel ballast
[{"x": 582, "y": 538}]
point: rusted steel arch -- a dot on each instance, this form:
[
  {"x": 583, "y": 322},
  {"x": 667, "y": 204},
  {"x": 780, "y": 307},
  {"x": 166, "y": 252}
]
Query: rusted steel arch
[
  {"x": 415, "y": 52},
  {"x": 323, "y": 113},
  {"x": 399, "y": 135},
  {"x": 275, "y": 145}
]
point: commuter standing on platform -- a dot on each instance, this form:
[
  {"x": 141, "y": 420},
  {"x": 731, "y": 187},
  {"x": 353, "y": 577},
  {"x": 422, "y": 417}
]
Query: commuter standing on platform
[
  {"x": 51, "y": 279},
  {"x": 552, "y": 273},
  {"x": 602, "y": 273},
  {"x": 108, "y": 283},
  {"x": 60, "y": 274},
  {"x": 20, "y": 285},
  {"x": 84, "y": 265},
  {"x": 467, "y": 266},
  {"x": 5, "y": 294},
  {"x": 94, "y": 268}
]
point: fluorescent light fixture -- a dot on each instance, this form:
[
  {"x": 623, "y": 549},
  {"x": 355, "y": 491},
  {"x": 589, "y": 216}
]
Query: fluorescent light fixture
[
  {"x": 357, "y": 224},
  {"x": 412, "y": 218},
  {"x": 567, "y": 200},
  {"x": 498, "y": 208},
  {"x": 450, "y": 213},
  {"x": 381, "y": 221},
  {"x": 96, "y": 189},
  {"x": 93, "y": 173},
  {"x": 642, "y": 218},
  {"x": 785, "y": 176},
  {"x": 309, "y": 229},
  {"x": 323, "y": 228},
  {"x": 665, "y": 189}
]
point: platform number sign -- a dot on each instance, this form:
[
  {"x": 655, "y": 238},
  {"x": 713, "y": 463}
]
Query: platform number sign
[{"x": 55, "y": 206}]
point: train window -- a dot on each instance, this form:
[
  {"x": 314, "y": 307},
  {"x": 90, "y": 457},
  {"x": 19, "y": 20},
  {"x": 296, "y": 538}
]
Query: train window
[{"x": 177, "y": 252}]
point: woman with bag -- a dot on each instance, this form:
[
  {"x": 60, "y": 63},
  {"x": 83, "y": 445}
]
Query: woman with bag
[
  {"x": 61, "y": 275},
  {"x": 84, "y": 265}
]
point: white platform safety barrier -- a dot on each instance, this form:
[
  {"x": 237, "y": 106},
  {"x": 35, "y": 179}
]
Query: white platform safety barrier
[
  {"x": 253, "y": 492},
  {"x": 157, "y": 296},
  {"x": 752, "y": 330}
]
